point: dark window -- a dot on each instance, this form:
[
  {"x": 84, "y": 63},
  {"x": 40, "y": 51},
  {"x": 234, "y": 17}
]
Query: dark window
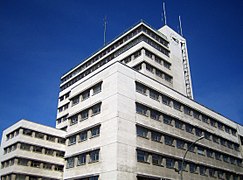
[
  {"x": 74, "y": 120},
  {"x": 97, "y": 89},
  {"x": 84, "y": 114},
  {"x": 204, "y": 119},
  {"x": 83, "y": 136},
  {"x": 217, "y": 156},
  {"x": 156, "y": 136},
  {"x": 96, "y": 109},
  {"x": 198, "y": 132},
  {"x": 157, "y": 159},
  {"x": 213, "y": 122},
  {"x": 215, "y": 139},
  {"x": 202, "y": 170},
  {"x": 207, "y": 135},
  {"x": 167, "y": 119},
  {"x": 153, "y": 94},
  {"x": 189, "y": 128},
  {"x": 75, "y": 100},
  {"x": 211, "y": 172},
  {"x": 154, "y": 114},
  {"x": 166, "y": 100},
  {"x": 169, "y": 140},
  {"x": 209, "y": 153},
  {"x": 70, "y": 162},
  {"x": 200, "y": 150},
  {"x": 179, "y": 124},
  {"x": 193, "y": 167},
  {"x": 141, "y": 88},
  {"x": 142, "y": 156},
  {"x": 94, "y": 156},
  {"x": 177, "y": 105},
  {"x": 180, "y": 144},
  {"x": 142, "y": 132},
  {"x": 196, "y": 114},
  {"x": 81, "y": 159},
  {"x": 85, "y": 95},
  {"x": 37, "y": 149},
  {"x": 170, "y": 163},
  {"x": 72, "y": 140},
  {"x": 220, "y": 125},
  {"x": 187, "y": 110},
  {"x": 141, "y": 109},
  {"x": 95, "y": 131}
]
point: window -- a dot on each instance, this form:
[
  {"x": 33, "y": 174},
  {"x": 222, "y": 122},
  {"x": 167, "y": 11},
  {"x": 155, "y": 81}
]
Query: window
[
  {"x": 23, "y": 162},
  {"x": 81, "y": 159},
  {"x": 72, "y": 140},
  {"x": 213, "y": 122},
  {"x": 154, "y": 95},
  {"x": 47, "y": 166},
  {"x": 83, "y": 136},
  {"x": 191, "y": 147},
  {"x": 142, "y": 156},
  {"x": 24, "y": 146},
  {"x": 211, "y": 172},
  {"x": 156, "y": 136},
  {"x": 50, "y": 138},
  {"x": 233, "y": 131},
  {"x": 166, "y": 100},
  {"x": 202, "y": 170},
  {"x": 170, "y": 163},
  {"x": 157, "y": 159},
  {"x": 142, "y": 132},
  {"x": 84, "y": 114},
  {"x": 154, "y": 115},
  {"x": 223, "y": 142},
  {"x": 217, "y": 156},
  {"x": 232, "y": 160},
  {"x": 37, "y": 149},
  {"x": 141, "y": 88},
  {"x": 49, "y": 152},
  {"x": 75, "y": 100},
  {"x": 198, "y": 132},
  {"x": 209, "y": 153},
  {"x": 204, "y": 119},
  {"x": 200, "y": 150},
  {"x": 178, "y": 124},
  {"x": 35, "y": 164},
  {"x": 140, "y": 109},
  {"x": 177, "y": 105},
  {"x": 207, "y": 136},
  {"x": 220, "y": 175},
  {"x": 227, "y": 129},
  {"x": 94, "y": 156},
  {"x": 74, "y": 120},
  {"x": 167, "y": 119},
  {"x": 226, "y": 158},
  {"x": 180, "y": 144},
  {"x": 97, "y": 89},
  {"x": 215, "y": 139},
  {"x": 168, "y": 78},
  {"x": 220, "y": 125},
  {"x": 70, "y": 162},
  {"x": 39, "y": 135},
  {"x": 230, "y": 145},
  {"x": 193, "y": 168},
  {"x": 27, "y": 132},
  {"x": 59, "y": 154},
  {"x": 196, "y": 115},
  {"x": 239, "y": 162},
  {"x": 187, "y": 110},
  {"x": 148, "y": 53},
  {"x": 96, "y": 109},
  {"x": 95, "y": 131},
  {"x": 167, "y": 65},
  {"x": 85, "y": 95},
  {"x": 169, "y": 140},
  {"x": 149, "y": 68},
  {"x": 137, "y": 54},
  {"x": 61, "y": 140},
  {"x": 189, "y": 128},
  {"x": 237, "y": 147}
]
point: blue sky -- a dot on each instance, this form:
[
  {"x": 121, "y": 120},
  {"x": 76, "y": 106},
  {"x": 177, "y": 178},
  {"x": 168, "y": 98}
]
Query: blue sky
[{"x": 41, "y": 39}]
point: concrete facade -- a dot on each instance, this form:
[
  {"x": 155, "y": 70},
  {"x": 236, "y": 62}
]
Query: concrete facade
[{"x": 127, "y": 112}]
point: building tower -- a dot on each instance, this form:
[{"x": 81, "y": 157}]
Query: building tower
[{"x": 129, "y": 114}]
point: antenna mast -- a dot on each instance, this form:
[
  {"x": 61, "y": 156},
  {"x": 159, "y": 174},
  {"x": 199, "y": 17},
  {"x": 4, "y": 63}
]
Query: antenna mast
[
  {"x": 105, "y": 23},
  {"x": 180, "y": 26},
  {"x": 164, "y": 12}
]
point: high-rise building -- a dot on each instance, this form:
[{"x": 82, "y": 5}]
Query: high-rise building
[{"x": 128, "y": 112}]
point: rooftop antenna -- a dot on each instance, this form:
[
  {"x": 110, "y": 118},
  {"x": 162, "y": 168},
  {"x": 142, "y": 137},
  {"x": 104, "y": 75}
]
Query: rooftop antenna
[
  {"x": 164, "y": 11},
  {"x": 105, "y": 23},
  {"x": 180, "y": 26}
]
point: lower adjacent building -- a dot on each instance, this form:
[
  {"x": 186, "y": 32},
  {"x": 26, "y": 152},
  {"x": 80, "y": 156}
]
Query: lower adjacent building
[
  {"x": 32, "y": 151},
  {"x": 127, "y": 112}
]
